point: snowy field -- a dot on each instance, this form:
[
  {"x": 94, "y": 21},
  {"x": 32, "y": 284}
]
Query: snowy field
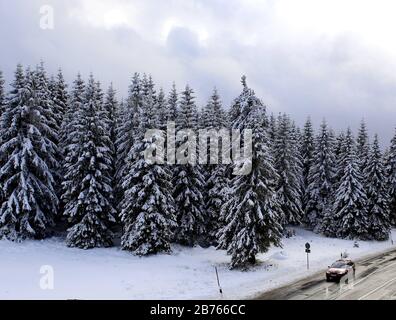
[{"x": 185, "y": 274}]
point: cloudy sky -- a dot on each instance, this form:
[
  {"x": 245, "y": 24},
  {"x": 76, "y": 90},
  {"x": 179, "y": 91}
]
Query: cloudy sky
[{"x": 333, "y": 59}]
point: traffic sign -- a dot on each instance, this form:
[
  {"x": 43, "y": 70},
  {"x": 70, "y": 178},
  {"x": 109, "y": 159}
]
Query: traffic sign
[{"x": 307, "y": 246}]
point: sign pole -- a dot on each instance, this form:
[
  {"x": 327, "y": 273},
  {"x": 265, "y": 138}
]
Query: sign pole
[
  {"x": 307, "y": 261},
  {"x": 218, "y": 281}
]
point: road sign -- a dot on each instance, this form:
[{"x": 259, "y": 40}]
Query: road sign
[
  {"x": 307, "y": 246},
  {"x": 307, "y": 250}
]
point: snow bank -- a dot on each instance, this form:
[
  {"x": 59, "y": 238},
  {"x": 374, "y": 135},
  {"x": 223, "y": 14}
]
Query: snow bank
[{"x": 186, "y": 274}]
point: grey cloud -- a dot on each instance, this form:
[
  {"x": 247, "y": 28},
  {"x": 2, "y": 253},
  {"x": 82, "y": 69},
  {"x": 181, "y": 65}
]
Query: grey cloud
[{"x": 336, "y": 77}]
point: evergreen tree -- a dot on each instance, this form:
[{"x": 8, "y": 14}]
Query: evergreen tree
[
  {"x": 172, "y": 105},
  {"x": 111, "y": 108},
  {"x": 188, "y": 180},
  {"x": 344, "y": 143},
  {"x": 216, "y": 189},
  {"x": 251, "y": 215},
  {"x": 307, "y": 154},
  {"x": 127, "y": 131},
  {"x": 362, "y": 146},
  {"x": 53, "y": 111},
  {"x": 26, "y": 156},
  {"x": 67, "y": 127},
  {"x": 391, "y": 179},
  {"x": 350, "y": 213},
  {"x": 272, "y": 129},
  {"x": 288, "y": 165},
  {"x": 320, "y": 179},
  {"x": 59, "y": 97},
  {"x": 87, "y": 186},
  {"x": 339, "y": 144},
  {"x": 161, "y": 110},
  {"x": 148, "y": 212},
  {"x": 377, "y": 197}
]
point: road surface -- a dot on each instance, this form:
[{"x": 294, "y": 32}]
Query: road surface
[{"x": 375, "y": 279}]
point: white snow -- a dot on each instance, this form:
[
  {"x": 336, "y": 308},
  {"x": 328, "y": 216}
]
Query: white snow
[{"x": 188, "y": 273}]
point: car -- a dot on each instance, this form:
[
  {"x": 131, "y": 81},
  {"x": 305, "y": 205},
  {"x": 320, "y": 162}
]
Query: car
[{"x": 339, "y": 269}]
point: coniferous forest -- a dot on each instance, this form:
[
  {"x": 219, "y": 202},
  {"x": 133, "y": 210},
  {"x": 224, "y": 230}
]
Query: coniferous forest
[{"x": 71, "y": 163}]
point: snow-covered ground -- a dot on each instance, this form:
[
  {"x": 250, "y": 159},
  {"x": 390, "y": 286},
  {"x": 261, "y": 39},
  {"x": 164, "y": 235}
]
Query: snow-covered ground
[{"x": 185, "y": 274}]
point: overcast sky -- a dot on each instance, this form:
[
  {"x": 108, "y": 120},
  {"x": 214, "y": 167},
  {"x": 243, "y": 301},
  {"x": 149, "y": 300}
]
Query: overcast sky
[{"x": 333, "y": 59}]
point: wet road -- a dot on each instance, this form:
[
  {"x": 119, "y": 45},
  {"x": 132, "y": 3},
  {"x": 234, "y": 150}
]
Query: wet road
[{"x": 375, "y": 279}]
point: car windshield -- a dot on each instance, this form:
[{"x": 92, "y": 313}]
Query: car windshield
[{"x": 338, "y": 264}]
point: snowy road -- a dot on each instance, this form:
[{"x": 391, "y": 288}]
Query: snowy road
[{"x": 375, "y": 279}]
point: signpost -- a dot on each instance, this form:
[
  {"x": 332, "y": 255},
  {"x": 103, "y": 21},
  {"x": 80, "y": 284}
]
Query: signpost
[
  {"x": 308, "y": 251},
  {"x": 218, "y": 282}
]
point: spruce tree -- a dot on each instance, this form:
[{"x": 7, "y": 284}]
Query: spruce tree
[
  {"x": 377, "y": 196},
  {"x": 362, "y": 146},
  {"x": 307, "y": 154},
  {"x": 288, "y": 165},
  {"x": 111, "y": 107},
  {"x": 127, "y": 131},
  {"x": 52, "y": 106},
  {"x": 251, "y": 215},
  {"x": 350, "y": 211},
  {"x": 391, "y": 179},
  {"x": 161, "y": 110},
  {"x": 59, "y": 97},
  {"x": 320, "y": 179},
  {"x": 217, "y": 182},
  {"x": 87, "y": 186},
  {"x": 26, "y": 158},
  {"x": 147, "y": 208},
  {"x": 344, "y": 143},
  {"x": 172, "y": 104},
  {"x": 68, "y": 123},
  {"x": 188, "y": 180}
]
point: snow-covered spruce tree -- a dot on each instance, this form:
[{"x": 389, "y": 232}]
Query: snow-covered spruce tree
[
  {"x": 213, "y": 114},
  {"x": 344, "y": 143},
  {"x": 350, "y": 211},
  {"x": 27, "y": 156},
  {"x": 87, "y": 185},
  {"x": 307, "y": 155},
  {"x": 188, "y": 180},
  {"x": 67, "y": 127},
  {"x": 288, "y": 166},
  {"x": 339, "y": 144},
  {"x": 252, "y": 214},
  {"x": 53, "y": 109},
  {"x": 172, "y": 104},
  {"x": 127, "y": 131},
  {"x": 320, "y": 179},
  {"x": 147, "y": 207},
  {"x": 60, "y": 97},
  {"x": 377, "y": 194},
  {"x": 148, "y": 87},
  {"x": 217, "y": 182},
  {"x": 111, "y": 107},
  {"x": 362, "y": 146},
  {"x": 391, "y": 179},
  {"x": 161, "y": 110}
]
